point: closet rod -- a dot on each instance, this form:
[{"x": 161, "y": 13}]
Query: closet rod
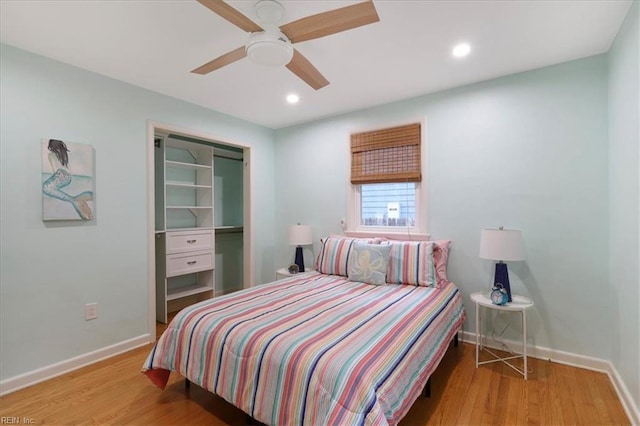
[
  {"x": 230, "y": 230},
  {"x": 228, "y": 158}
]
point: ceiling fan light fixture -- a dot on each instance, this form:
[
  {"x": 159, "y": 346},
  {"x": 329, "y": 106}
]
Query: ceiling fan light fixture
[{"x": 270, "y": 48}]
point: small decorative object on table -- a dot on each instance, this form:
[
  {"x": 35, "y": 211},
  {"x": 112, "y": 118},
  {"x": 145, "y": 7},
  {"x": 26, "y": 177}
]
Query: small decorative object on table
[
  {"x": 293, "y": 269},
  {"x": 499, "y": 295}
]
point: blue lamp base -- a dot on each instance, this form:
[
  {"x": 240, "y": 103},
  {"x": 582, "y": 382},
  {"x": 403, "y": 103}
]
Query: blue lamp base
[
  {"x": 502, "y": 277},
  {"x": 300, "y": 259}
]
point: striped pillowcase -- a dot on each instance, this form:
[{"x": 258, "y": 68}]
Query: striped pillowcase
[
  {"x": 411, "y": 262},
  {"x": 334, "y": 256}
]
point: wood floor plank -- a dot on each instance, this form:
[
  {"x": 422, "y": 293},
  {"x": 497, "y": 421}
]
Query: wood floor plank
[
  {"x": 114, "y": 392},
  {"x": 568, "y": 385}
]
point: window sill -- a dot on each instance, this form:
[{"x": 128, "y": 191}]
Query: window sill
[{"x": 402, "y": 235}]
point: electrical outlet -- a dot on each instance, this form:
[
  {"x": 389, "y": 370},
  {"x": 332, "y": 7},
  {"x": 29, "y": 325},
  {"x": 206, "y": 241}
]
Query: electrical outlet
[{"x": 90, "y": 311}]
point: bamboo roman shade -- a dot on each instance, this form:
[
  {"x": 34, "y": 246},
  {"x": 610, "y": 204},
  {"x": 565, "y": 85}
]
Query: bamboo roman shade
[{"x": 386, "y": 155}]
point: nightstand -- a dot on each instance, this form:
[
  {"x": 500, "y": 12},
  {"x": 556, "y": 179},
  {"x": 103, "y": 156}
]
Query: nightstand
[
  {"x": 520, "y": 304},
  {"x": 284, "y": 273}
]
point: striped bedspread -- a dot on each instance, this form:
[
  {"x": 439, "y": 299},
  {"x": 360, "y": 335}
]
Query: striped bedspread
[{"x": 314, "y": 350}]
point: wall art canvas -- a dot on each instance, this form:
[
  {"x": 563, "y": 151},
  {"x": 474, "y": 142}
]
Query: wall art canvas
[{"x": 67, "y": 180}]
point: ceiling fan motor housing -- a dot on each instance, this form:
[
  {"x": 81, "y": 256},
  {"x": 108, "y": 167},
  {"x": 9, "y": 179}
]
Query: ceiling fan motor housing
[
  {"x": 270, "y": 47},
  {"x": 269, "y": 13}
]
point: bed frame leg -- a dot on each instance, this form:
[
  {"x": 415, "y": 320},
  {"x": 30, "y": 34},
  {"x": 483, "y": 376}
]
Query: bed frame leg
[
  {"x": 251, "y": 421},
  {"x": 427, "y": 388},
  {"x": 455, "y": 340},
  {"x": 187, "y": 384}
]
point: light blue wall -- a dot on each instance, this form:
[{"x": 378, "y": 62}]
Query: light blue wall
[
  {"x": 527, "y": 151},
  {"x": 624, "y": 193},
  {"x": 49, "y": 271}
]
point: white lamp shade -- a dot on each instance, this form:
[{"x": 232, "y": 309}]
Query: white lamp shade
[
  {"x": 300, "y": 235},
  {"x": 501, "y": 244}
]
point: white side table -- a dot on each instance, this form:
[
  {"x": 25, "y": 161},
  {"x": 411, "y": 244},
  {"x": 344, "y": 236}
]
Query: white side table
[
  {"x": 519, "y": 304},
  {"x": 284, "y": 273}
]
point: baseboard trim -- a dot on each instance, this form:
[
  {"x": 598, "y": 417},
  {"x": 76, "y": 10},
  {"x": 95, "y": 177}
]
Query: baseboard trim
[
  {"x": 22, "y": 381},
  {"x": 632, "y": 410},
  {"x": 575, "y": 360}
]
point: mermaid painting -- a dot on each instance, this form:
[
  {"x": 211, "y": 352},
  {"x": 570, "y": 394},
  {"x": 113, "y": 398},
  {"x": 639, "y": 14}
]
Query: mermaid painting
[{"x": 57, "y": 185}]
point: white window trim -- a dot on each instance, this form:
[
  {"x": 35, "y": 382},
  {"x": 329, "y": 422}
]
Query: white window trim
[{"x": 418, "y": 232}]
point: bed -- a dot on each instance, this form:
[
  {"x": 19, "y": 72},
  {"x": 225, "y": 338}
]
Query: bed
[{"x": 316, "y": 349}]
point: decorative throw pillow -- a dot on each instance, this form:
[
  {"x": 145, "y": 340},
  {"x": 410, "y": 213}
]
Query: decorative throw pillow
[
  {"x": 368, "y": 263},
  {"x": 411, "y": 262}
]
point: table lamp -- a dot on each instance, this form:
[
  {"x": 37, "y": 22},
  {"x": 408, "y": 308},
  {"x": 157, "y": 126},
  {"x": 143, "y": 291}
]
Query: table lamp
[
  {"x": 501, "y": 244},
  {"x": 300, "y": 235}
]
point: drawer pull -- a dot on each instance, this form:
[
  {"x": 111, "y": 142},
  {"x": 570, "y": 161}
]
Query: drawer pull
[
  {"x": 193, "y": 262},
  {"x": 191, "y": 241}
]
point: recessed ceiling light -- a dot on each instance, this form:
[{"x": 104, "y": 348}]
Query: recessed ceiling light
[
  {"x": 461, "y": 50},
  {"x": 292, "y": 98}
]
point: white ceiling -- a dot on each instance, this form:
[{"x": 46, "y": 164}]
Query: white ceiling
[{"x": 155, "y": 43}]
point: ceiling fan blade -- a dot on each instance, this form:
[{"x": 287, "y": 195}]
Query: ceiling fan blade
[
  {"x": 221, "y": 61},
  {"x": 231, "y": 14},
  {"x": 331, "y": 22},
  {"x": 301, "y": 67}
]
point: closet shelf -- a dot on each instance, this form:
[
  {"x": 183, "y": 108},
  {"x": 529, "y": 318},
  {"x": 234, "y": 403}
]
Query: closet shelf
[
  {"x": 181, "y": 165},
  {"x": 180, "y": 292},
  {"x": 182, "y": 229},
  {"x": 176, "y": 184}
]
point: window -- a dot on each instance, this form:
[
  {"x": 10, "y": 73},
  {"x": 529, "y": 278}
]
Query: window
[
  {"x": 386, "y": 182},
  {"x": 388, "y": 204}
]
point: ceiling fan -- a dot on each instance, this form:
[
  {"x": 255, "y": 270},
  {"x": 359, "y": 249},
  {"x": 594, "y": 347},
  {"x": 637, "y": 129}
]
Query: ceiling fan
[{"x": 271, "y": 44}]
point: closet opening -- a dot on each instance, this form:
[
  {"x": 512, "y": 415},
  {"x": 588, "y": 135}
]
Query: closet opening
[{"x": 199, "y": 211}]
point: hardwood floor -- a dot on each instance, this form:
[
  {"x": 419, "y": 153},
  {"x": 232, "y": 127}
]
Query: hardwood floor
[{"x": 115, "y": 392}]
